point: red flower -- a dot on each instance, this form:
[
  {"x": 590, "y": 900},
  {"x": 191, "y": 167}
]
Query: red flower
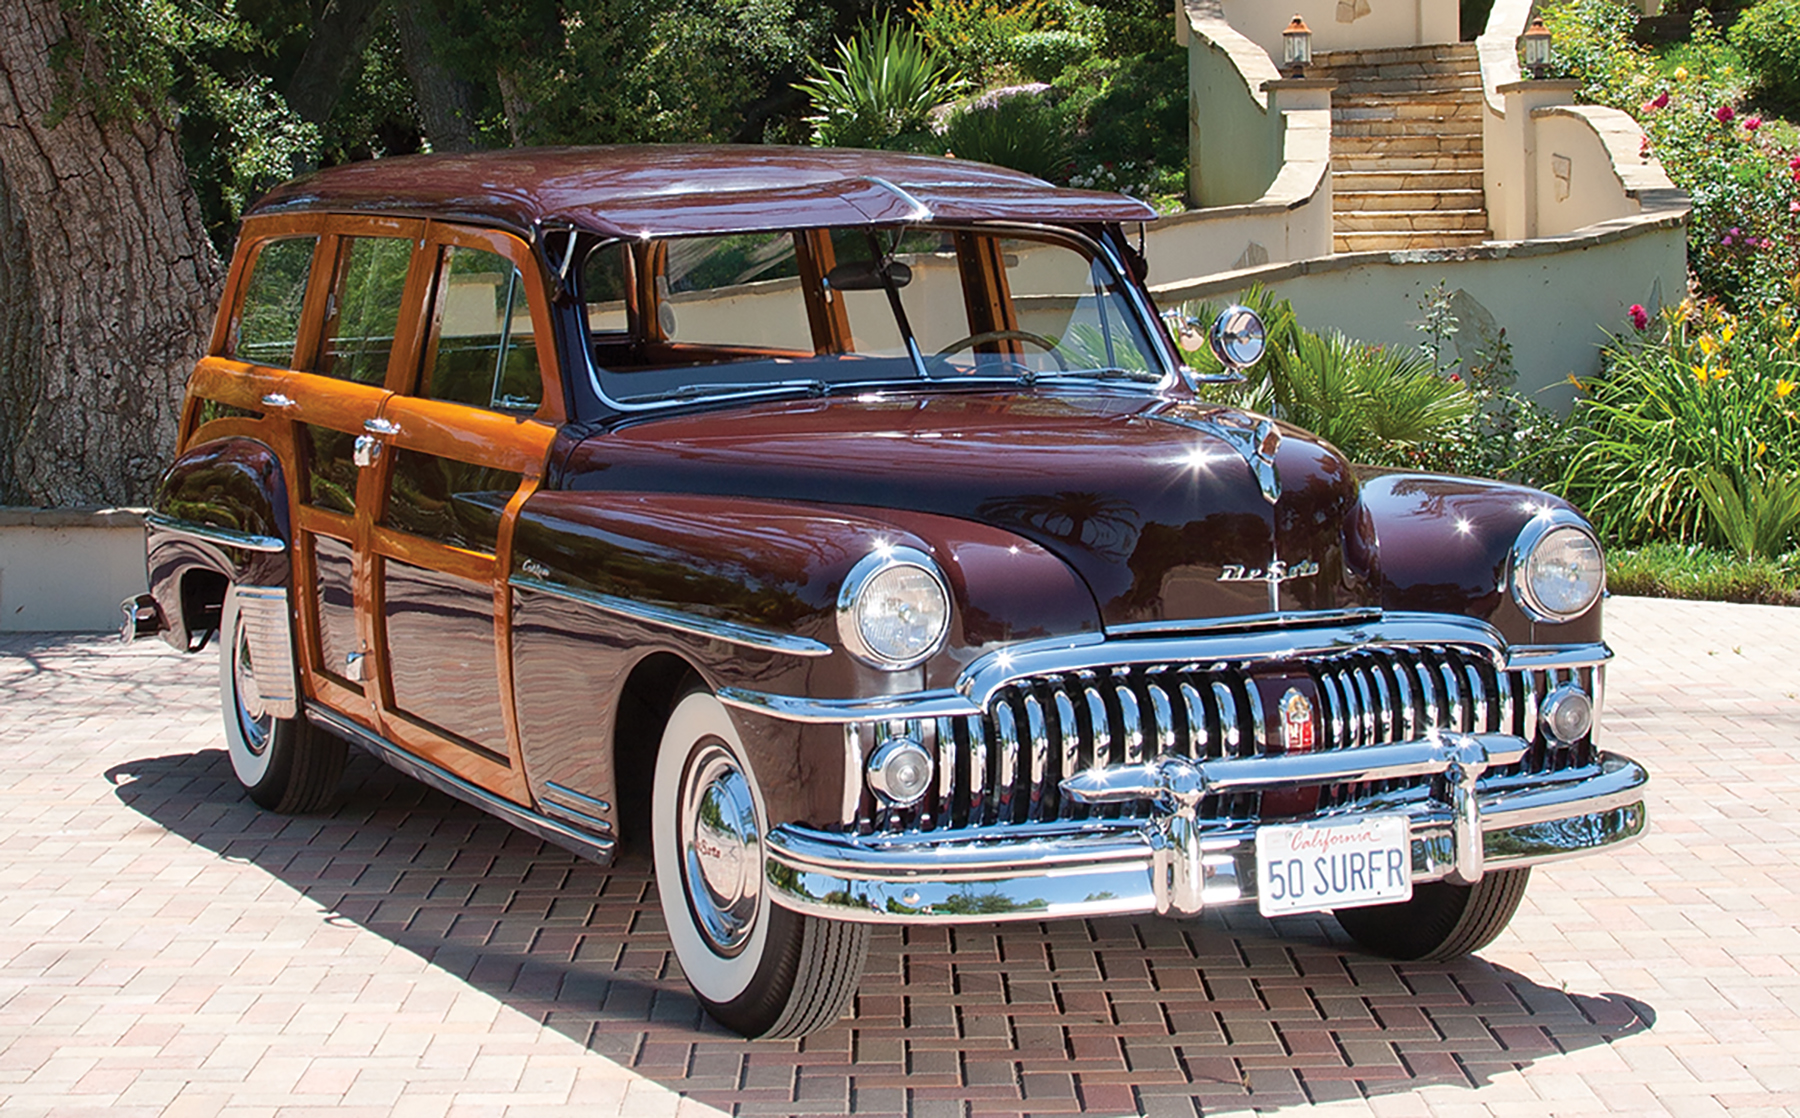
[
  {"x": 1640, "y": 319},
  {"x": 1725, "y": 114},
  {"x": 1752, "y": 123}
]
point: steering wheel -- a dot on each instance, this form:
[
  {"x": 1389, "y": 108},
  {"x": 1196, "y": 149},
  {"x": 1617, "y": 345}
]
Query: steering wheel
[{"x": 974, "y": 340}]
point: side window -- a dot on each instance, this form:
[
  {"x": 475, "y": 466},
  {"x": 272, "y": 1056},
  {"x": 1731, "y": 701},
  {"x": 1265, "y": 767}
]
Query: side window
[
  {"x": 269, "y": 320},
  {"x": 606, "y": 289},
  {"x": 485, "y": 352},
  {"x": 371, "y": 280},
  {"x": 741, "y": 290}
]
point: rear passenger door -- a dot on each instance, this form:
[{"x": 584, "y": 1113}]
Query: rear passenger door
[{"x": 464, "y": 440}]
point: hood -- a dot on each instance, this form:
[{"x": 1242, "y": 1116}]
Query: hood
[{"x": 1155, "y": 502}]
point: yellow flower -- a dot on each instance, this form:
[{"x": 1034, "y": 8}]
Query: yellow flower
[
  {"x": 1760, "y": 448},
  {"x": 1699, "y": 373},
  {"x": 1728, "y": 333},
  {"x": 1707, "y": 345},
  {"x": 1784, "y": 388},
  {"x": 1721, "y": 373},
  {"x": 1680, "y": 72}
]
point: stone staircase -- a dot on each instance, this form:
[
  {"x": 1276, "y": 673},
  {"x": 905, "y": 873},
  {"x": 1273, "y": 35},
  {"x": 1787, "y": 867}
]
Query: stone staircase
[{"x": 1405, "y": 147}]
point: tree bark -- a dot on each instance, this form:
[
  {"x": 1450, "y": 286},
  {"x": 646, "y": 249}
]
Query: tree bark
[
  {"x": 113, "y": 270},
  {"x": 446, "y": 102}
]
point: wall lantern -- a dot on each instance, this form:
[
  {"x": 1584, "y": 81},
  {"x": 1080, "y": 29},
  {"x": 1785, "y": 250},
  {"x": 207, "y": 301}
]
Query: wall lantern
[
  {"x": 1296, "y": 48},
  {"x": 1537, "y": 47}
]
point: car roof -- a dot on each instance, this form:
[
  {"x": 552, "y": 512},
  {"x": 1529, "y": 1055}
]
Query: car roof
[{"x": 667, "y": 190}]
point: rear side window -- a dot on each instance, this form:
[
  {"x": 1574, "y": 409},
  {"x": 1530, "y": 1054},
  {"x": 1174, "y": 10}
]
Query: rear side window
[
  {"x": 371, "y": 281},
  {"x": 485, "y": 352},
  {"x": 269, "y": 321}
]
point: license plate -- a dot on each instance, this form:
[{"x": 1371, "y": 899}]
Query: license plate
[{"x": 1312, "y": 867}]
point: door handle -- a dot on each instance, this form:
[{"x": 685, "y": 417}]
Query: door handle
[
  {"x": 277, "y": 400},
  {"x": 365, "y": 450},
  {"x": 379, "y": 426}
]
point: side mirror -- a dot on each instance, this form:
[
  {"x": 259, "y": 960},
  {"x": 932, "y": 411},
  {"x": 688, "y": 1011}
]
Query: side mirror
[
  {"x": 1237, "y": 338},
  {"x": 1185, "y": 328}
]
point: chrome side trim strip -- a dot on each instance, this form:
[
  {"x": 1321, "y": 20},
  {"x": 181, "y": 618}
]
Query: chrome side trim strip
[
  {"x": 588, "y": 846},
  {"x": 916, "y": 704},
  {"x": 1539, "y": 656},
  {"x": 731, "y": 632},
  {"x": 227, "y": 537}
]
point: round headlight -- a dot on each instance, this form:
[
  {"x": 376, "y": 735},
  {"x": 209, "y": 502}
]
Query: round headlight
[
  {"x": 1558, "y": 572},
  {"x": 893, "y": 611}
]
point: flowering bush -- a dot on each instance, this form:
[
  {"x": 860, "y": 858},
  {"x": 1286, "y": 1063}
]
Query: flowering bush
[
  {"x": 1691, "y": 432},
  {"x": 1744, "y": 238}
]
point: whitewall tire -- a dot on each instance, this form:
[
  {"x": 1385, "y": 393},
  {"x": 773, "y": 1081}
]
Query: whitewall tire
[{"x": 285, "y": 764}]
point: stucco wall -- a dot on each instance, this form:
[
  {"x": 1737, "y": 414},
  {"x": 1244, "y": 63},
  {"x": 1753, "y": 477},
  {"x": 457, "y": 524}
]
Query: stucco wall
[
  {"x": 1347, "y": 24},
  {"x": 67, "y": 570},
  {"x": 1234, "y": 148},
  {"x": 1556, "y": 299}
]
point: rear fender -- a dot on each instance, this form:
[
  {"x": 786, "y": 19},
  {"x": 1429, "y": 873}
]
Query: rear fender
[{"x": 220, "y": 517}]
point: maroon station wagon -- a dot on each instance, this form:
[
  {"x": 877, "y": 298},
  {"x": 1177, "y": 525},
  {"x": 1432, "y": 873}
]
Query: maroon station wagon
[{"x": 847, "y": 529}]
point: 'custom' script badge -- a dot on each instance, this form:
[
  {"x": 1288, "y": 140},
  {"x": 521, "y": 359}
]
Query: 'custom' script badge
[{"x": 1275, "y": 573}]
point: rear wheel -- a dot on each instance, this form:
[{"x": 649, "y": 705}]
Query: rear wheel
[
  {"x": 758, "y": 968},
  {"x": 285, "y": 764},
  {"x": 1442, "y": 921}
]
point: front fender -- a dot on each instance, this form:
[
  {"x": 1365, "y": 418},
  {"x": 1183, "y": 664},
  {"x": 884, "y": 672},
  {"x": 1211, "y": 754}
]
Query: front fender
[{"x": 1444, "y": 545}]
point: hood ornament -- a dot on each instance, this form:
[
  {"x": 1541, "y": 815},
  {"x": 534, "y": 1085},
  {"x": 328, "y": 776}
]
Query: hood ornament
[{"x": 1255, "y": 438}]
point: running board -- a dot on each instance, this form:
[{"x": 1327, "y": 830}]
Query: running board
[{"x": 592, "y": 847}]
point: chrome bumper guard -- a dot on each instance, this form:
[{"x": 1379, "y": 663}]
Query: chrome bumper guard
[{"x": 1176, "y": 863}]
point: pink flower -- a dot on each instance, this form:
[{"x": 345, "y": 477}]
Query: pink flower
[
  {"x": 1752, "y": 123},
  {"x": 1794, "y": 163},
  {"x": 1794, "y": 206},
  {"x": 1661, "y": 101},
  {"x": 1725, "y": 114},
  {"x": 1640, "y": 319}
]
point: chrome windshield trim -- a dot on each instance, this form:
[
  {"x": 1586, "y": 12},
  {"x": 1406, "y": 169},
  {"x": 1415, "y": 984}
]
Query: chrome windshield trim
[
  {"x": 921, "y": 212},
  {"x": 228, "y": 537},
  {"x": 693, "y": 624}
]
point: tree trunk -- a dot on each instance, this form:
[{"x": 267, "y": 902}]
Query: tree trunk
[
  {"x": 113, "y": 270},
  {"x": 332, "y": 58},
  {"x": 446, "y": 102}
]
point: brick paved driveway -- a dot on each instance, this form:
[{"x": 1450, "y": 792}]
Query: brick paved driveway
[{"x": 166, "y": 948}]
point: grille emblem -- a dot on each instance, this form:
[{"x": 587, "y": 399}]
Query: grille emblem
[
  {"x": 1296, "y": 722},
  {"x": 1277, "y": 572}
]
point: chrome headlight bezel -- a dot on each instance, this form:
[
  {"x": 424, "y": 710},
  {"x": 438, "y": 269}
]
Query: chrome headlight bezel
[
  {"x": 852, "y": 598},
  {"x": 1542, "y": 529}
]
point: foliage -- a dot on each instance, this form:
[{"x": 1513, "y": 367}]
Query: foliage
[
  {"x": 1757, "y": 518},
  {"x": 1699, "y": 394},
  {"x": 1744, "y": 236},
  {"x": 1042, "y": 56},
  {"x": 1377, "y": 405},
  {"x": 1673, "y": 570},
  {"x": 1130, "y": 121},
  {"x": 1023, "y": 130},
  {"x": 885, "y": 85},
  {"x": 1767, "y": 36},
  {"x": 976, "y": 35}
]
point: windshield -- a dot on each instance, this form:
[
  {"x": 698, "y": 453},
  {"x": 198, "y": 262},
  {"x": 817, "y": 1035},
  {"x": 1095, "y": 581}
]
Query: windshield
[{"x": 686, "y": 317}]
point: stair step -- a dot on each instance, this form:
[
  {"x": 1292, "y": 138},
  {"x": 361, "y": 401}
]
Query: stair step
[
  {"x": 1376, "y": 242},
  {"x": 1407, "y": 145},
  {"x": 1380, "y": 200},
  {"x": 1417, "y": 221},
  {"x": 1415, "y": 86},
  {"x": 1411, "y": 126},
  {"x": 1385, "y": 162},
  {"x": 1372, "y": 106},
  {"x": 1455, "y": 72},
  {"x": 1364, "y": 182},
  {"x": 1387, "y": 56}
]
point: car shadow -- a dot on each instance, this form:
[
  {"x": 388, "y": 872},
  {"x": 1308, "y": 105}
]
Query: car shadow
[{"x": 1118, "y": 1015}]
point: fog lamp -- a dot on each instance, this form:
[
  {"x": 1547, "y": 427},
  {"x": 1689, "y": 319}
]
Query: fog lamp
[
  {"x": 1567, "y": 714},
  {"x": 900, "y": 771}
]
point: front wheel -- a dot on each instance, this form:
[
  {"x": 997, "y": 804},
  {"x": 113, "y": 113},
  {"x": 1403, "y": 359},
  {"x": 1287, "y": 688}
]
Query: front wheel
[
  {"x": 287, "y": 765},
  {"x": 758, "y": 968},
  {"x": 1442, "y": 921}
]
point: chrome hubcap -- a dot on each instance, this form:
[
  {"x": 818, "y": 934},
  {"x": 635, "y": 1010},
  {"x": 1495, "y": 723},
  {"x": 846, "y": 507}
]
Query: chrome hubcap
[
  {"x": 253, "y": 719},
  {"x": 721, "y": 848}
]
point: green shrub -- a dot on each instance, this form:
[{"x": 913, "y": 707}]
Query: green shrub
[
  {"x": 1043, "y": 55},
  {"x": 1130, "y": 119},
  {"x": 1698, "y": 395},
  {"x": 1757, "y": 515},
  {"x": 975, "y": 35},
  {"x": 881, "y": 92},
  {"x": 1022, "y": 130},
  {"x": 1673, "y": 570},
  {"x": 1768, "y": 37}
]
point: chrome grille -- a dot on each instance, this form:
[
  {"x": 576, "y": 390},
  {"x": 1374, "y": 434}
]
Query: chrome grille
[{"x": 1004, "y": 768}]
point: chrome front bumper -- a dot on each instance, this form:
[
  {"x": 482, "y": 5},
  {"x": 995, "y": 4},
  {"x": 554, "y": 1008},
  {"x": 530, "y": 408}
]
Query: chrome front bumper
[{"x": 1175, "y": 863}]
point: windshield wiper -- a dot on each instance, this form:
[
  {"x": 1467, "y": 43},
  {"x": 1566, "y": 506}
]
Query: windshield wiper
[
  {"x": 734, "y": 388},
  {"x": 1104, "y": 373}
]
